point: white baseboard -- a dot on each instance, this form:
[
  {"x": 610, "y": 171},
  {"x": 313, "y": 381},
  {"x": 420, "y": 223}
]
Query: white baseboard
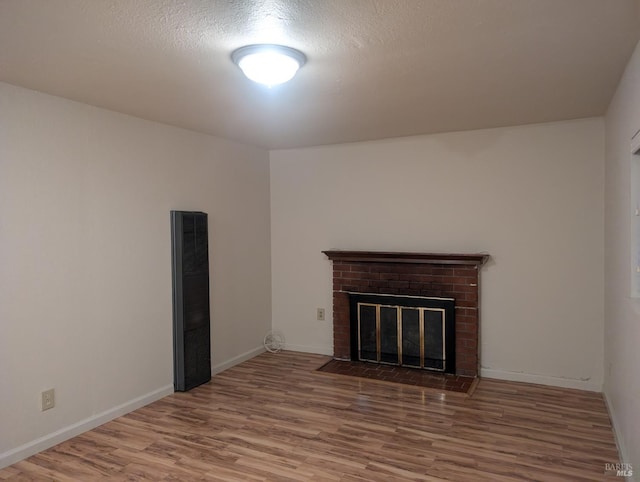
[
  {"x": 14, "y": 455},
  {"x": 309, "y": 349},
  {"x": 220, "y": 367},
  {"x": 622, "y": 450},
  {"x": 541, "y": 379}
]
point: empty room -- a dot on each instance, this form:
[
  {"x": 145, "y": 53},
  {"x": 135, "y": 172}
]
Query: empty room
[{"x": 324, "y": 240}]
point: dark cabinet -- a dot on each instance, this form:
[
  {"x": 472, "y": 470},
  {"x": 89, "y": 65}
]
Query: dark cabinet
[{"x": 191, "y": 320}]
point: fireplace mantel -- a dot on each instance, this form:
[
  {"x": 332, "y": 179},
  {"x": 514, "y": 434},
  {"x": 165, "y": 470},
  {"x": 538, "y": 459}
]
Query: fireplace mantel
[{"x": 401, "y": 257}]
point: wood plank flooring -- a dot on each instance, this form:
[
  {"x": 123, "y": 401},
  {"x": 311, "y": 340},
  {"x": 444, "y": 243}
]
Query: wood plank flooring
[{"x": 275, "y": 418}]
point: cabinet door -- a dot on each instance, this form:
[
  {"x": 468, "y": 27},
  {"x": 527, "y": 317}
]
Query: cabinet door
[{"x": 191, "y": 320}]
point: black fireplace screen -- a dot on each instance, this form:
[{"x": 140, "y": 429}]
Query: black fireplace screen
[{"x": 413, "y": 332}]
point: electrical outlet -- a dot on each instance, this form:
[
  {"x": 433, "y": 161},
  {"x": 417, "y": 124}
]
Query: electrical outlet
[
  {"x": 48, "y": 399},
  {"x": 320, "y": 314}
]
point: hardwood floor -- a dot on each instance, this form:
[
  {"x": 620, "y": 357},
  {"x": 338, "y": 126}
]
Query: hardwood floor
[{"x": 274, "y": 418}]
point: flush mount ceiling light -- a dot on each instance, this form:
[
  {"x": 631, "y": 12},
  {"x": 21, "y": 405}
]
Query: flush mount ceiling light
[{"x": 268, "y": 64}]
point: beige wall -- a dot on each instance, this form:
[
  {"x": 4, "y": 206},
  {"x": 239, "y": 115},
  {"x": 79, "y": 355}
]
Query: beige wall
[
  {"x": 530, "y": 196},
  {"x": 85, "y": 273},
  {"x": 622, "y": 313}
]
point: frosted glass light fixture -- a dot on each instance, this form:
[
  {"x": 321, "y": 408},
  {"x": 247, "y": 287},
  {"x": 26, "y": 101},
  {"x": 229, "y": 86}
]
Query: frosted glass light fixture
[{"x": 268, "y": 64}]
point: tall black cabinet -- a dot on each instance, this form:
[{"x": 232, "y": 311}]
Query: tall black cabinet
[{"x": 191, "y": 321}]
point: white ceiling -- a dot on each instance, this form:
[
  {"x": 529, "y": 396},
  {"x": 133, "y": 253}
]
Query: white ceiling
[{"x": 376, "y": 68}]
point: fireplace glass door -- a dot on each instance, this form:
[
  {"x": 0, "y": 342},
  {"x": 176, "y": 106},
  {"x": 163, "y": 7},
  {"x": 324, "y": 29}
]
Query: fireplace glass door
[{"x": 401, "y": 335}]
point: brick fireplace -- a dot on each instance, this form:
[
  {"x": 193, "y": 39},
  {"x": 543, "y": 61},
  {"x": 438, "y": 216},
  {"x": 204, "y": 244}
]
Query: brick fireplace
[{"x": 410, "y": 274}]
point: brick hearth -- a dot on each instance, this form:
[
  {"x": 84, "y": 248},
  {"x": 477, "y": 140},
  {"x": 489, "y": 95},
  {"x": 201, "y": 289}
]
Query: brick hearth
[{"x": 410, "y": 274}]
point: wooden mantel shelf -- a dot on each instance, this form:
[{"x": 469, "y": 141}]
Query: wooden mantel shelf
[{"x": 477, "y": 259}]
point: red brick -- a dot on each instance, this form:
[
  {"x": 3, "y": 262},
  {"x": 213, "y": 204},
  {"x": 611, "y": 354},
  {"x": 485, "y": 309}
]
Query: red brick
[
  {"x": 353, "y": 275},
  {"x": 465, "y": 310},
  {"x": 382, "y": 267},
  {"x": 398, "y": 284},
  {"x": 360, "y": 268},
  {"x": 438, "y": 279},
  {"x": 352, "y": 287},
  {"x": 378, "y": 283},
  {"x": 443, "y": 271},
  {"x": 443, "y": 288},
  {"x": 337, "y": 283},
  {"x": 471, "y": 297},
  {"x": 465, "y": 288},
  {"x": 466, "y": 327},
  {"x": 471, "y": 343},
  {"x": 473, "y": 272},
  {"x": 413, "y": 278},
  {"x": 465, "y": 318}
]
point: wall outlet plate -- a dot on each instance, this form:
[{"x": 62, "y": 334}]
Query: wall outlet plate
[
  {"x": 48, "y": 399},
  {"x": 320, "y": 314}
]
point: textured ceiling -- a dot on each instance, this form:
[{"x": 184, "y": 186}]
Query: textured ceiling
[{"x": 376, "y": 68}]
